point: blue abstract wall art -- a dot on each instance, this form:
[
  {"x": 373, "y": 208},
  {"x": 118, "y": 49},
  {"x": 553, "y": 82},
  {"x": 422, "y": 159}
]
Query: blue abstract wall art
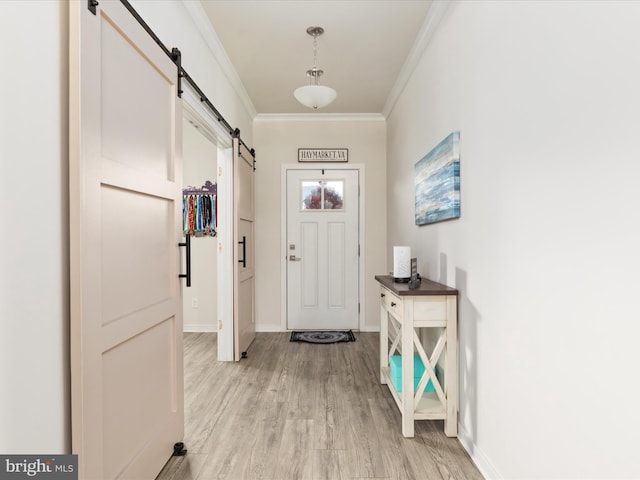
[{"x": 437, "y": 180}]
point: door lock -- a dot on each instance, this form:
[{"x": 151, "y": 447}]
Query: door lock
[{"x": 293, "y": 258}]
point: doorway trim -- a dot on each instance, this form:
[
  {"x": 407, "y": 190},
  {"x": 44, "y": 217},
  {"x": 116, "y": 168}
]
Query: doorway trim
[
  {"x": 283, "y": 233},
  {"x": 208, "y": 125}
]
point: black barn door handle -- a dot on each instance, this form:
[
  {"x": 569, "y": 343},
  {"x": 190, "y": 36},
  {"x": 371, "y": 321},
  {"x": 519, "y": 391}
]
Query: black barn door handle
[
  {"x": 187, "y": 244},
  {"x": 243, "y": 261}
]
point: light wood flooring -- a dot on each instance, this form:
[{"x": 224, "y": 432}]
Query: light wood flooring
[{"x": 302, "y": 411}]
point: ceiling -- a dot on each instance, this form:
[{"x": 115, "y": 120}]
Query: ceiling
[{"x": 362, "y": 51}]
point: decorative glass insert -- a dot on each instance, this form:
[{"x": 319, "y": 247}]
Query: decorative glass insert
[{"x": 322, "y": 194}]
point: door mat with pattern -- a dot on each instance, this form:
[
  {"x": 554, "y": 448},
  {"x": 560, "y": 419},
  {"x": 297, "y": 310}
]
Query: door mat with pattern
[{"x": 323, "y": 336}]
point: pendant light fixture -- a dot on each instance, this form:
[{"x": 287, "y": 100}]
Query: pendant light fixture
[{"x": 314, "y": 95}]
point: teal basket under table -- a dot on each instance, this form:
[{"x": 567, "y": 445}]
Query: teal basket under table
[{"x": 395, "y": 366}]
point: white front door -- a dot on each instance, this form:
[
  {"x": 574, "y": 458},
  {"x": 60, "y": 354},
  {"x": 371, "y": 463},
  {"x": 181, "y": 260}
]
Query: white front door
[
  {"x": 244, "y": 327},
  {"x": 127, "y": 404},
  {"x": 322, "y": 249}
]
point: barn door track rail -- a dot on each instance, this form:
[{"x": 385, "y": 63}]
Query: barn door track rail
[{"x": 176, "y": 57}]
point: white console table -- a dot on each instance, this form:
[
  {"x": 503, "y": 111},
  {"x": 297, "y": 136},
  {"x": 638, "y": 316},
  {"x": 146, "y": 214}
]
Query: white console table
[{"x": 423, "y": 322}]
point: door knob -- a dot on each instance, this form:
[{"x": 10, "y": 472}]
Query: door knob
[{"x": 293, "y": 258}]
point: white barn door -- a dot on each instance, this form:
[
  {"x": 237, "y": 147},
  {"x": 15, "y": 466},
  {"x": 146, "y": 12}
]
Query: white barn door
[
  {"x": 244, "y": 327},
  {"x": 125, "y": 214}
]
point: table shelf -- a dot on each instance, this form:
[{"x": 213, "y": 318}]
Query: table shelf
[{"x": 429, "y": 406}]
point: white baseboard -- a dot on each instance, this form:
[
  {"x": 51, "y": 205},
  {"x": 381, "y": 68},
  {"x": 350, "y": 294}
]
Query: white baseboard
[
  {"x": 194, "y": 328},
  {"x": 278, "y": 329},
  {"x": 371, "y": 328},
  {"x": 483, "y": 463},
  {"x": 269, "y": 329}
]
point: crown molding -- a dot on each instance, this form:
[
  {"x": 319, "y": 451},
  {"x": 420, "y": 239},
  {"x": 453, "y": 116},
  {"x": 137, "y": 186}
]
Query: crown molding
[
  {"x": 431, "y": 22},
  {"x": 200, "y": 19},
  {"x": 319, "y": 117}
]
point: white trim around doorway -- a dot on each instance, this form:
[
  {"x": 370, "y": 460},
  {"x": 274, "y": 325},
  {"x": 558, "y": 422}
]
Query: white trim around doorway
[
  {"x": 194, "y": 111},
  {"x": 283, "y": 233}
]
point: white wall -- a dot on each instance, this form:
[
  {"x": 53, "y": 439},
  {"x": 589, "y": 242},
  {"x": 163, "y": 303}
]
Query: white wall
[
  {"x": 34, "y": 273},
  {"x": 545, "y": 254},
  {"x": 277, "y": 142},
  {"x": 199, "y": 165}
]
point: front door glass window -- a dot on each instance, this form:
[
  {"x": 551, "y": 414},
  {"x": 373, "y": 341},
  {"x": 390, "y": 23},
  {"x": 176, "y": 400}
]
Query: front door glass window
[{"x": 322, "y": 195}]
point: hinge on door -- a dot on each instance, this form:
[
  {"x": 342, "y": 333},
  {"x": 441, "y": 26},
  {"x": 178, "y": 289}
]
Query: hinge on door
[
  {"x": 358, "y": 249},
  {"x": 92, "y": 4},
  {"x": 358, "y": 307}
]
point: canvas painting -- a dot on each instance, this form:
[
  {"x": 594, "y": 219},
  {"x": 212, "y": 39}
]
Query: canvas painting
[{"x": 437, "y": 182}]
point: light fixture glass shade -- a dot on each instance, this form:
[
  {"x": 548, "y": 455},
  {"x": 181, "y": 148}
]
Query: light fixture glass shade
[{"x": 315, "y": 96}]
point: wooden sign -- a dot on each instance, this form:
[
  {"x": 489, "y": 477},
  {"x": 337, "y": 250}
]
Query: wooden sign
[{"x": 323, "y": 155}]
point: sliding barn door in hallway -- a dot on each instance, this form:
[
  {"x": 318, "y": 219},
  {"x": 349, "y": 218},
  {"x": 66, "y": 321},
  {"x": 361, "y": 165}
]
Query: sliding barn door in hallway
[
  {"x": 244, "y": 327},
  {"x": 125, "y": 211}
]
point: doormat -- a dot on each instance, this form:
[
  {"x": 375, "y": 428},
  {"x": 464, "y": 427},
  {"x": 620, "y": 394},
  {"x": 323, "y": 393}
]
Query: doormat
[{"x": 323, "y": 337}]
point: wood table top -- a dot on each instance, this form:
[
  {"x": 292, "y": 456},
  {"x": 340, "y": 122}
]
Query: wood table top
[{"x": 426, "y": 287}]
